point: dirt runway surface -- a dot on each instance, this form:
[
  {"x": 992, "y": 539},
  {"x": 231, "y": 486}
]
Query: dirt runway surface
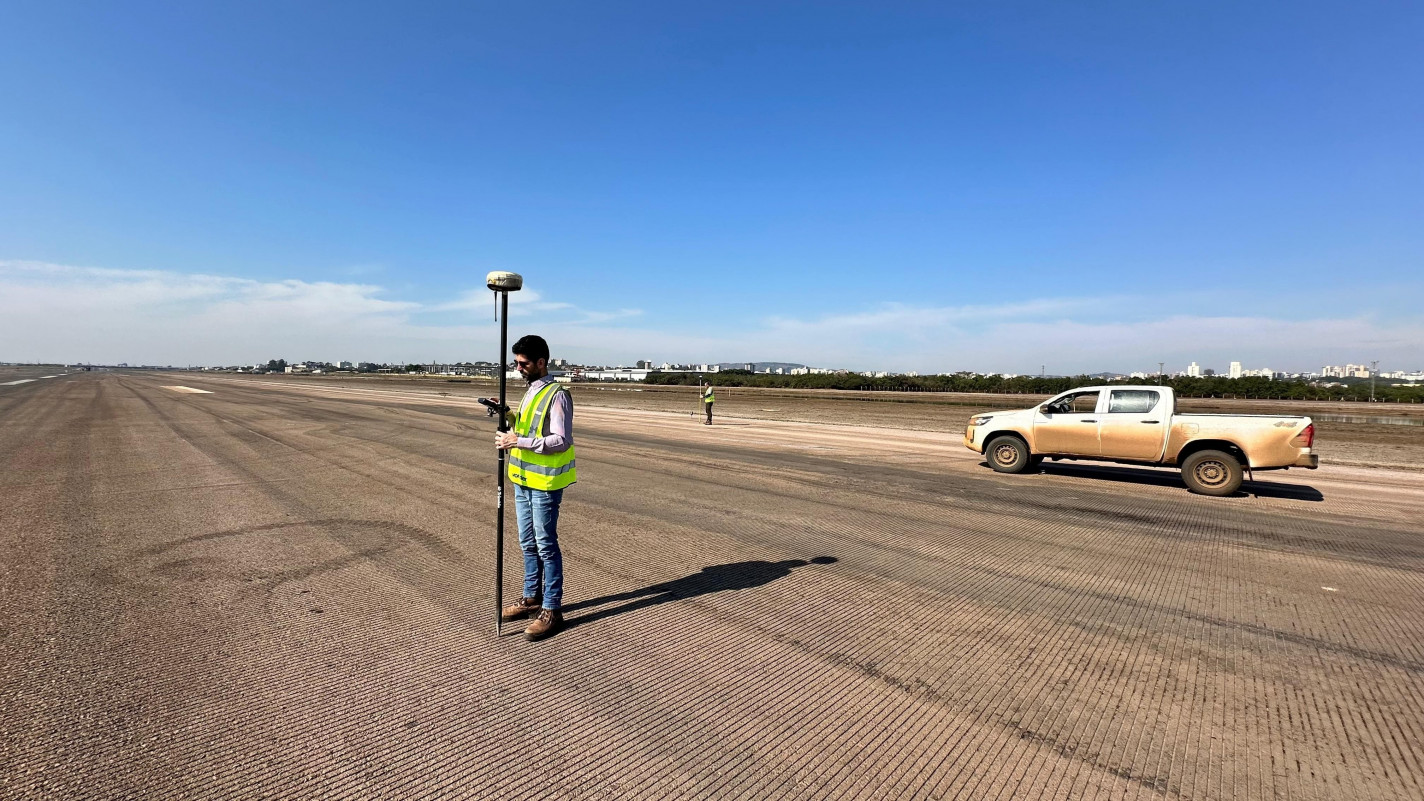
[{"x": 242, "y": 588}]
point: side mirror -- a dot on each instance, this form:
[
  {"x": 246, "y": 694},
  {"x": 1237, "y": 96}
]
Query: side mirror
[{"x": 1046, "y": 409}]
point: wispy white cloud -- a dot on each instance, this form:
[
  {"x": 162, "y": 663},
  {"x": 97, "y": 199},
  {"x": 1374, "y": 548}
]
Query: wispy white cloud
[
  {"x": 480, "y": 300},
  {"x": 1058, "y": 335},
  {"x": 355, "y": 270},
  {"x": 598, "y": 317},
  {"x": 1139, "y": 343},
  {"x": 907, "y": 317},
  {"x": 69, "y": 313},
  {"x": 1066, "y": 335},
  {"x": 58, "y": 312},
  {"x": 529, "y": 303}
]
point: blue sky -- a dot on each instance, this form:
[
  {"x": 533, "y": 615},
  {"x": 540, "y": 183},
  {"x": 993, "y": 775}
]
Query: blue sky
[{"x": 932, "y": 187}]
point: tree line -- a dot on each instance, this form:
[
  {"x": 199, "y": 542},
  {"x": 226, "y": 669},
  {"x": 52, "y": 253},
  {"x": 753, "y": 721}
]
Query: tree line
[{"x": 1205, "y": 387}]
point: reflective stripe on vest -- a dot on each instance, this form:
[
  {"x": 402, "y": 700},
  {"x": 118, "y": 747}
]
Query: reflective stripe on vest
[
  {"x": 541, "y": 471},
  {"x": 708, "y": 398}
]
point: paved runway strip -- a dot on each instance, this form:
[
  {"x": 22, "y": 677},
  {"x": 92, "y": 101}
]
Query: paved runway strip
[{"x": 281, "y": 591}]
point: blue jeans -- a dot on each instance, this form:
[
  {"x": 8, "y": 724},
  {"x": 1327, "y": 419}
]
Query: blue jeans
[{"x": 538, "y": 514}]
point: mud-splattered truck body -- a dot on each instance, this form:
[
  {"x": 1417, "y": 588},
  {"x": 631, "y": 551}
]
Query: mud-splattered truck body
[{"x": 1140, "y": 425}]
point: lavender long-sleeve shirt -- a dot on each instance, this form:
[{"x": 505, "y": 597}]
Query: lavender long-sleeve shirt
[{"x": 561, "y": 421}]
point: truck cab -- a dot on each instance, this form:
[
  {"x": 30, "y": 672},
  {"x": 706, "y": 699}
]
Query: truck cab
[{"x": 1115, "y": 423}]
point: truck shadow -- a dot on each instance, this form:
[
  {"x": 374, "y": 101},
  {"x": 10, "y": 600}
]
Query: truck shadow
[
  {"x": 714, "y": 578},
  {"x": 1159, "y": 478}
]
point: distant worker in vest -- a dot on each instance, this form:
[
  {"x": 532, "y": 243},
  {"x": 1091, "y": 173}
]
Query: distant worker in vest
[
  {"x": 707, "y": 400},
  {"x": 541, "y": 465}
]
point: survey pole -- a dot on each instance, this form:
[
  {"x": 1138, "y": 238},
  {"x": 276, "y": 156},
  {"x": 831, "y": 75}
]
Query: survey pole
[{"x": 501, "y": 283}]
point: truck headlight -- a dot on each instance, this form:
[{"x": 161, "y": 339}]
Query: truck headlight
[{"x": 979, "y": 420}]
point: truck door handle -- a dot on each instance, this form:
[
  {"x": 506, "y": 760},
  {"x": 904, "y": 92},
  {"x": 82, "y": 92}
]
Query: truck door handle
[
  {"x": 1089, "y": 421},
  {"x": 1151, "y": 422}
]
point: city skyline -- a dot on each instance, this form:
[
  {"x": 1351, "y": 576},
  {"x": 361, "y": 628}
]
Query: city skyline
[{"x": 645, "y": 366}]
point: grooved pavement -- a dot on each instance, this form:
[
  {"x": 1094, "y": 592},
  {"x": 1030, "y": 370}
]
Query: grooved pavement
[{"x": 285, "y": 592}]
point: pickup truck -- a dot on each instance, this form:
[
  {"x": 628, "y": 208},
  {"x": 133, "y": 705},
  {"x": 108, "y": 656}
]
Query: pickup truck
[{"x": 1140, "y": 425}]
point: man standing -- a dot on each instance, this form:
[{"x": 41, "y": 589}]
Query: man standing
[
  {"x": 541, "y": 465},
  {"x": 707, "y": 400}
]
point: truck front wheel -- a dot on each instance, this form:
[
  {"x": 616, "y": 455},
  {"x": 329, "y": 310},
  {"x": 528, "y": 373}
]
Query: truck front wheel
[
  {"x": 1008, "y": 454},
  {"x": 1212, "y": 473}
]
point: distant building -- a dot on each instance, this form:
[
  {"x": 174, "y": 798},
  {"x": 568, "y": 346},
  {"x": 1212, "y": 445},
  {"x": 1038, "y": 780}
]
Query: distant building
[
  {"x": 669, "y": 367},
  {"x": 1235, "y": 370},
  {"x": 1348, "y": 371},
  {"x": 1194, "y": 370},
  {"x": 620, "y": 374}
]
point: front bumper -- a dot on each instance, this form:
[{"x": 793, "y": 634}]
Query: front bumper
[
  {"x": 969, "y": 440},
  {"x": 1309, "y": 461}
]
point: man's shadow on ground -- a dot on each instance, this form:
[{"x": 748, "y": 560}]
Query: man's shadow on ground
[{"x": 716, "y": 578}]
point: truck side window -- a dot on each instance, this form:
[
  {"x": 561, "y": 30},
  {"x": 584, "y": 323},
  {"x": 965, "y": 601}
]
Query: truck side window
[
  {"x": 1132, "y": 401},
  {"x": 1081, "y": 403}
]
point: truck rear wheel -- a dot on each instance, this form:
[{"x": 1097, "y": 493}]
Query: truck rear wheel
[
  {"x": 1007, "y": 454},
  {"x": 1212, "y": 473}
]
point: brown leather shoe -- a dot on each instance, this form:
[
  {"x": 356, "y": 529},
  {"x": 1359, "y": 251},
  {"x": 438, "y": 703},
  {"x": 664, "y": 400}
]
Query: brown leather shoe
[
  {"x": 525, "y": 608},
  {"x": 546, "y": 625}
]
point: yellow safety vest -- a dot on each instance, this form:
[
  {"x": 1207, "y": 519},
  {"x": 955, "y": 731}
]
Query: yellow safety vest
[
  {"x": 540, "y": 471},
  {"x": 708, "y": 398}
]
